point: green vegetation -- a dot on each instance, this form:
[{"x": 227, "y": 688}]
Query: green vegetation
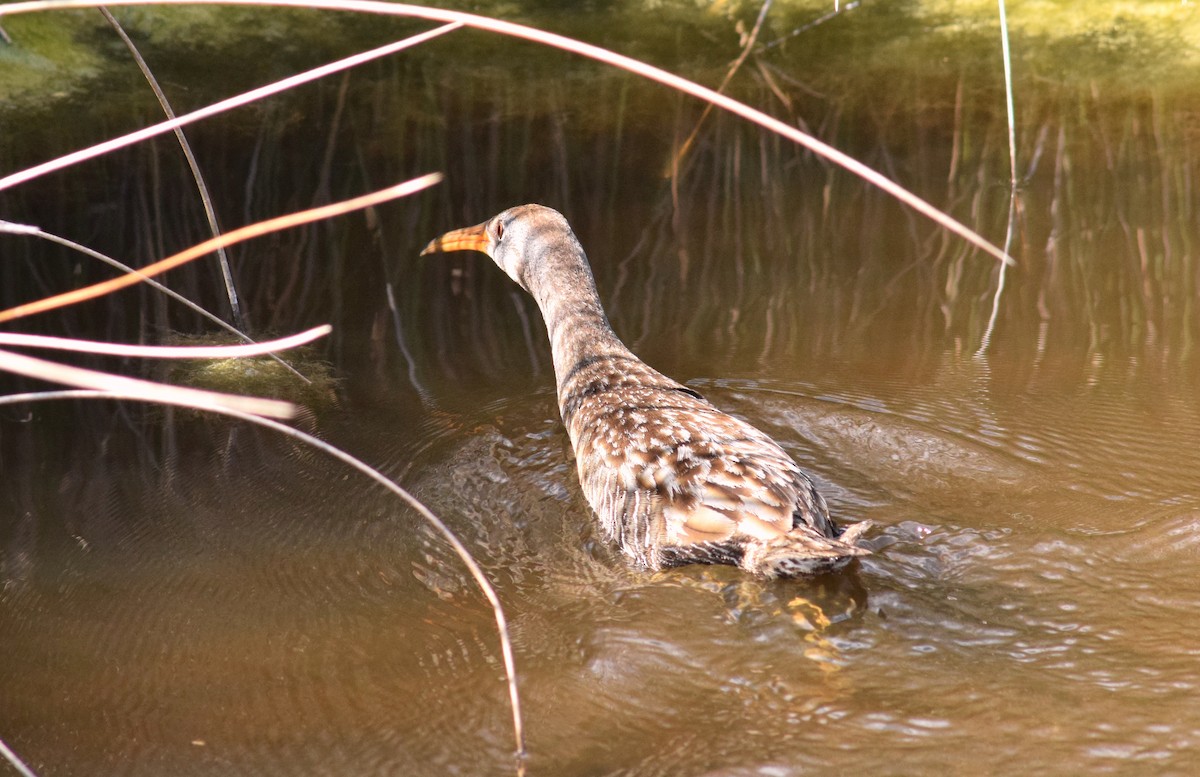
[
  {"x": 861, "y": 52},
  {"x": 258, "y": 376}
]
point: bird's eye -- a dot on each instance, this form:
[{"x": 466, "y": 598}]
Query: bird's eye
[{"x": 499, "y": 230}]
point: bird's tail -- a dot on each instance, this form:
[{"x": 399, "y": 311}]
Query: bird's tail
[{"x": 803, "y": 551}]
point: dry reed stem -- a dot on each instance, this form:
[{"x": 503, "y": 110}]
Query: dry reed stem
[
  {"x": 229, "y": 238},
  {"x": 25, "y": 229},
  {"x": 201, "y": 187},
  {"x": 1008, "y": 97},
  {"x": 220, "y": 106},
  {"x": 747, "y": 46},
  {"x": 597, "y": 53},
  {"x": 837, "y": 11},
  {"x": 1012, "y": 179},
  {"x": 16, "y": 340},
  {"x": 144, "y": 390}
]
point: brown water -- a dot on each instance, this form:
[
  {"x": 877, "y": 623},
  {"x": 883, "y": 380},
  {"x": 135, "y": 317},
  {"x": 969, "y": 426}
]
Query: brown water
[{"x": 182, "y": 598}]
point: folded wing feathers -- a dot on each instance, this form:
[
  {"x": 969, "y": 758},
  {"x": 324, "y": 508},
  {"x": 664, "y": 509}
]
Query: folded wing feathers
[
  {"x": 663, "y": 477},
  {"x": 701, "y": 496}
]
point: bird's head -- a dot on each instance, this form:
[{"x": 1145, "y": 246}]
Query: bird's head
[{"x": 518, "y": 240}]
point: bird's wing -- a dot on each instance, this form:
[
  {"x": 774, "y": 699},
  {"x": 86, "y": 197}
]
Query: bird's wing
[
  {"x": 680, "y": 474},
  {"x": 721, "y": 494}
]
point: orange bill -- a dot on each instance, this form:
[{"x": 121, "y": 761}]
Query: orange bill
[{"x": 466, "y": 239}]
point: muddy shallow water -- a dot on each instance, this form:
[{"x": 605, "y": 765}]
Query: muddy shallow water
[
  {"x": 1028, "y": 606},
  {"x": 181, "y": 597}
]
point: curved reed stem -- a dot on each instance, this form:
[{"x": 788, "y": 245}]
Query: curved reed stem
[
  {"x": 235, "y": 305},
  {"x": 468, "y": 560}
]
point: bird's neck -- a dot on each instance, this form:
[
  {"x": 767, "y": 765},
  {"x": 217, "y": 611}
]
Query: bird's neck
[{"x": 580, "y": 334}]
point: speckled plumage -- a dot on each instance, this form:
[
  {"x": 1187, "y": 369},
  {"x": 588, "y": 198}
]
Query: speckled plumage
[{"x": 672, "y": 479}]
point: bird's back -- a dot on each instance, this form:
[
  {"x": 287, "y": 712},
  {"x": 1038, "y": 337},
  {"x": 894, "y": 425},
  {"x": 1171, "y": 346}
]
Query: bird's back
[{"x": 675, "y": 480}]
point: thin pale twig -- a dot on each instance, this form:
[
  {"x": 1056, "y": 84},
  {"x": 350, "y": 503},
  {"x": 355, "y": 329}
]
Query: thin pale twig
[
  {"x": 18, "y": 340},
  {"x": 1012, "y": 167},
  {"x": 733, "y": 69},
  {"x": 145, "y": 390},
  {"x": 1008, "y": 95},
  {"x": 837, "y": 9},
  {"x": 99, "y": 149},
  {"x": 205, "y": 198},
  {"x": 229, "y": 238}
]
